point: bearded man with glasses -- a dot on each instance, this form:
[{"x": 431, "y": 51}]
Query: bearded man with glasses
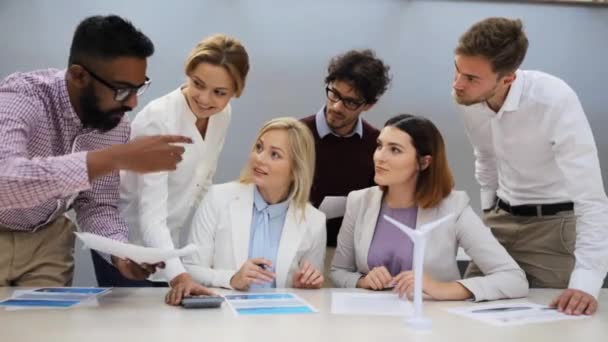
[{"x": 63, "y": 140}]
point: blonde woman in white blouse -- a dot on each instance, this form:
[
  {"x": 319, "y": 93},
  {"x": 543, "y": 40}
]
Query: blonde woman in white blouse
[
  {"x": 260, "y": 231},
  {"x": 159, "y": 207}
]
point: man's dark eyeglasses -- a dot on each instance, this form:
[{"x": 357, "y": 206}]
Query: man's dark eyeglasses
[
  {"x": 120, "y": 93},
  {"x": 349, "y": 103}
]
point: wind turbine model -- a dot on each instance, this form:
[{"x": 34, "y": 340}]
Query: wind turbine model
[{"x": 418, "y": 237}]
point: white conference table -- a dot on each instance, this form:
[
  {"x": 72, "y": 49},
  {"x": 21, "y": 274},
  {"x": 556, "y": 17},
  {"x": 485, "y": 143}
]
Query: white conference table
[{"x": 140, "y": 315}]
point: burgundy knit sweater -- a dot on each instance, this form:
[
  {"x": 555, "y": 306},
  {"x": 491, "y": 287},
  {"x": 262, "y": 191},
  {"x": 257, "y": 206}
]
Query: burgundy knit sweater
[{"x": 342, "y": 165}]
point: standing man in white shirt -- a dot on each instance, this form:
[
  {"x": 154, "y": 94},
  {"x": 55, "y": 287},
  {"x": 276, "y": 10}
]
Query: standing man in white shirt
[{"x": 537, "y": 164}]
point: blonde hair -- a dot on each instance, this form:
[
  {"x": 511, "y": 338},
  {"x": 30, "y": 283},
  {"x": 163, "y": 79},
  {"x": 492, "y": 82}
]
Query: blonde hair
[
  {"x": 302, "y": 153},
  {"x": 222, "y": 50}
]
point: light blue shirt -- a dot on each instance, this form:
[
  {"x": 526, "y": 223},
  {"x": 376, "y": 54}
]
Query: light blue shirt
[
  {"x": 266, "y": 227},
  {"x": 323, "y": 129}
]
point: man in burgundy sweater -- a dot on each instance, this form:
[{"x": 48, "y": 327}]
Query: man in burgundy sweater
[{"x": 345, "y": 142}]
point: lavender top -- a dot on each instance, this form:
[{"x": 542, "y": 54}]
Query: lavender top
[{"x": 390, "y": 247}]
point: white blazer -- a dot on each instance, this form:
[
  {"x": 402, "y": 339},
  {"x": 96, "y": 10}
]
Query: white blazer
[
  {"x": 503, "y": 277},
  {"x": 221, "y": 229},
  {"x": 158, "y": 207}
]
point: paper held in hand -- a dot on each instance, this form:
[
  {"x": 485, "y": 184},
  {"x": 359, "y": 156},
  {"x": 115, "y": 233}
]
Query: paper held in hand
[
  {"x": 333, "y": 206},
  {"x": 136, "y": 253}
]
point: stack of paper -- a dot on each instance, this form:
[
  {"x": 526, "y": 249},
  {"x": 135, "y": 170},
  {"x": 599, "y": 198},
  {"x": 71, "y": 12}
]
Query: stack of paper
[{"x": 53, "y": 297}]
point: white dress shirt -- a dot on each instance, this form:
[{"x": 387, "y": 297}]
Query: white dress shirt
[
  {"x": 158, "y": 207},
  {"x": 539, "y": 149}
]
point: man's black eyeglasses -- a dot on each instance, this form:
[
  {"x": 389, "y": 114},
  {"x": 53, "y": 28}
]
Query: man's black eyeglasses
[
  {"x": 349, "y": 103},
  {"x": 120, "y": 93}
]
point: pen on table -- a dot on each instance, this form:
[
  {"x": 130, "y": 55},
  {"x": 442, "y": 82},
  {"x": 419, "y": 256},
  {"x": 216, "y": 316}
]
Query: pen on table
[{"x": 502, "y": 309}]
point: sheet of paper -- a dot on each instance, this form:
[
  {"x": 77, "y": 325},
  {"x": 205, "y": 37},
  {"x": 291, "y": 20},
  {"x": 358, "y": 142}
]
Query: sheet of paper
[
  {"x": 61, "y": 293},
  {"x": 80, "y": 291},
  {"x": 357, "y": 303},
  {"x": 38, "y": 303},
  {"x": 461, "y": 255},
  {"x": 136, "y": 253},
  {"x": 333, "y": 206},
  {"x": 88, "y": 303},
  {"x": 504, "y": 314},
  {"x": 268, "y": 304}
]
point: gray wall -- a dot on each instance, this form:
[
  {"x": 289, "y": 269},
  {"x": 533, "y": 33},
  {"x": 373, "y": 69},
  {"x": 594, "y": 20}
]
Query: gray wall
[{"x": 290, "y": 43}]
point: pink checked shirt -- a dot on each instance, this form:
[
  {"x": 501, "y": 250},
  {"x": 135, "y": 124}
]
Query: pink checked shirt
[{"x": 43, "y": 148}]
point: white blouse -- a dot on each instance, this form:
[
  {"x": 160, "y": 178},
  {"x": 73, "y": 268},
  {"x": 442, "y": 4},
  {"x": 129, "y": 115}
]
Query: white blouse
[{"x": 158, "y": 207}]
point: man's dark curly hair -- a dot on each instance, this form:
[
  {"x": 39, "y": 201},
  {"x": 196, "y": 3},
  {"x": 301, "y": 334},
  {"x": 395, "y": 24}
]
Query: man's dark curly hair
[{"x": 362, "y": 70}]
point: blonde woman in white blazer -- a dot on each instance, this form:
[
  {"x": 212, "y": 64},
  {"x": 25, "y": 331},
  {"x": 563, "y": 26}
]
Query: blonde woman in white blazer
[
  {"x": 415, "y": 186},
  {"x": 261, "y": 231},
  {"x": 158, "y": 207}
]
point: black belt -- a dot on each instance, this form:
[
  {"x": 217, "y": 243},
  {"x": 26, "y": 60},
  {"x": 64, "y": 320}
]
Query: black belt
[{"x": 535, "y": 210}]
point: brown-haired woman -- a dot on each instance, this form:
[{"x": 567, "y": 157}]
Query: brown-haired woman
[{"x": 415, "y": 187}]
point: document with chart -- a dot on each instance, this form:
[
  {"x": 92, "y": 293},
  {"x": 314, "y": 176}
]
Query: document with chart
[
  {"x": 53, "y": 297},
  {"x": 268, "y": 304}
]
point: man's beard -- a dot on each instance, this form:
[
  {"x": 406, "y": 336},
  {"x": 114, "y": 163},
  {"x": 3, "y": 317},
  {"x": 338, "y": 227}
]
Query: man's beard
[
  {"x": 341, "y": 120},
  {"x": 93, "y": 117}
]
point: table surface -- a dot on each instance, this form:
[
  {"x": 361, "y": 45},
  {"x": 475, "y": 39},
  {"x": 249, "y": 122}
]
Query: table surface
[{"x": 140, "y": 315}]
